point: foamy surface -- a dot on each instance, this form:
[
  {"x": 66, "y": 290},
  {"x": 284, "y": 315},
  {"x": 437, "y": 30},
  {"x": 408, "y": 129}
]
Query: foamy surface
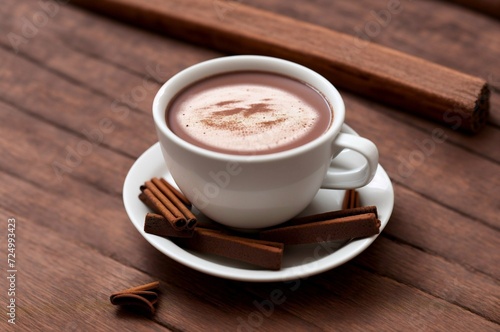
[{"x": 249, "y": 118}]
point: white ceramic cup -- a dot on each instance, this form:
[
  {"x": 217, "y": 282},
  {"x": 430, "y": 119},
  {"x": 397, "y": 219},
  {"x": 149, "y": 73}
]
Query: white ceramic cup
[{"x": 257, "y": 191}]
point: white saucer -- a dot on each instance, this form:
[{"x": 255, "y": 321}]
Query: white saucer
[{"x": 299, "y": 261}]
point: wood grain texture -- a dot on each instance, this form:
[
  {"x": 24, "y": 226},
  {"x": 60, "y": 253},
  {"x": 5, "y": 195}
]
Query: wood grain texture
[
  {"x": 77, "y": 299},
  {"x": 433, "y": 268},
  {"x": 380, "y": 73}
]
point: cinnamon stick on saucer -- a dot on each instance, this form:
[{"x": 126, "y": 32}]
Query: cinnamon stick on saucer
[
  {"x": 172, "y": 197},
  {"x": 157, "y": 225},
  {"x": 351, "y": 199},
  {"x": 356, "y": 226},
  {"x": 164, "y": 207},
  {"x": 330, "y": 215},
  {"x": 386, "y": 75},
  {"x": 265, "y": 254},
  {"x": 169, "y": 202}
]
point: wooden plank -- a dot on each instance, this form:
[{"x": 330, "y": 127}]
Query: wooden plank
[
  {"x": 344, "y": 299},
  {"x": 352, "y": 291},
  {"x": 102, "y": 78},
  {"x": 435, "y": 167},
  {"x": 37, "y": 45},
  {"x": 120, "y": 72},
  {"x": 78, "y": 108},
  {"x": 98, "y": 42},
  {"x": 128, "y": 247},
  {"x": 403, "y": 165},
  {"x": 142, "y": 66},
  {"x": 58, "y": 286},
  {"x": 411, "y": 29},
  {"x": 438, "y": 230},
  {"x": 44, "y": 144},
  {"x": 413, "y": 277},
  {"x": 188, "y": 302},
  {"x": 449, "y": 281}
]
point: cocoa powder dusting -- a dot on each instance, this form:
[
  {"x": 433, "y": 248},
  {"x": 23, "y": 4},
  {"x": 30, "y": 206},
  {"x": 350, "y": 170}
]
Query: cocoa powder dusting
[
  {"x": 224, "y": 120},
  {"x": 249, "y": 113}
]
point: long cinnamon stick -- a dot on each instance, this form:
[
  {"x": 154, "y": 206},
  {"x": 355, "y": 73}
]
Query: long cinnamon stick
[
  {"x": 330, "y": 215},
  {"x": 345, "y": 228},
  {"x": 386, "y": 75}
]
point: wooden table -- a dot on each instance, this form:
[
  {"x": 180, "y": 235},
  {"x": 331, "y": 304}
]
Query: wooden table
[{"x": 75, "y": 97}]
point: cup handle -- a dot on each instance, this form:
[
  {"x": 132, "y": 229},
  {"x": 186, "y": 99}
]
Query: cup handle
[{"x": 357, "y": 169}]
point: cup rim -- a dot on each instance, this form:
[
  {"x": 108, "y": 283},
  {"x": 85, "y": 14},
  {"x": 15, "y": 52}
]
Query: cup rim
[{"x": 239, "y": 63}]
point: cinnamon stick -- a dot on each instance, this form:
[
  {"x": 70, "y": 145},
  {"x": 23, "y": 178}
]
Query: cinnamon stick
[
  {"x": 148, "y": 203},
  {"x": 150, "y": 286},
  {"x": 406, "y": 82},
  {"x": 160, "y": 204},
  {"x": 351, "y": 199},
  {"x": 172, "y": 197},
  {"x": 330, "y": 215},
  {"x": 345, "y": 228},
  {"x": 143, "y": 296},
  {"x": 265, "y": 254},
  {"x": 357, "y": 200},
  {"x": 131, "y": 299}
]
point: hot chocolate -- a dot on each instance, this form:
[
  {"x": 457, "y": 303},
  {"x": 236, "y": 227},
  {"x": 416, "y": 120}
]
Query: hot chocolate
[{"x": 249, "y": 112}]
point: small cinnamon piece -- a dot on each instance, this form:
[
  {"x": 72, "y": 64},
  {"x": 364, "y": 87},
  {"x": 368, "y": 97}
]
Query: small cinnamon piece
[
  {"x": 347, "y": 199},
  {"x": 172, "y": 197},
  {"x": 351, "y": 199},
  {"x": 143, "y": 296},
  {"x": 357, "y": 200},
  {"x": 157, "y": 224},
  {"x": 145, "y": 287},
  {"x": 164, "y": 206},
  {"x": 345, "y": 228},
  {"x": 265, "y": 254},
  {"x": 132, "y": 299}
]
